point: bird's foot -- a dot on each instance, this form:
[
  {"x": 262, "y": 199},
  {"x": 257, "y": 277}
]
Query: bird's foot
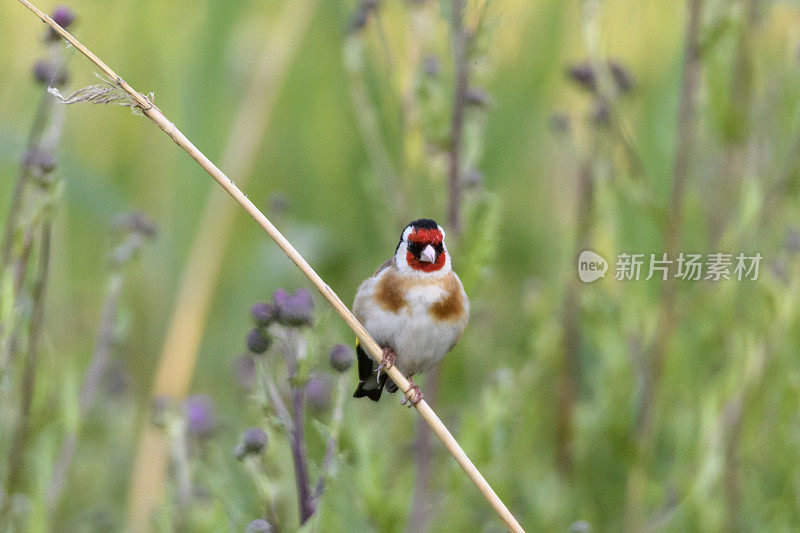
[
  {"x": 416, "y": 394},
  {"x": 389, "y": 357}
]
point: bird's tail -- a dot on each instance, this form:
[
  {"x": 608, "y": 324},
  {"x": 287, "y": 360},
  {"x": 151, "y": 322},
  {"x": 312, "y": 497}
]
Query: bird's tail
[{"x": 368, "y": 383}]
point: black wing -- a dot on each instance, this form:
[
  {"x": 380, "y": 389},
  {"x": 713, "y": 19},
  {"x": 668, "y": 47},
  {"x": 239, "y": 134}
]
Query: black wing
[{"x": 368, "y": 384}]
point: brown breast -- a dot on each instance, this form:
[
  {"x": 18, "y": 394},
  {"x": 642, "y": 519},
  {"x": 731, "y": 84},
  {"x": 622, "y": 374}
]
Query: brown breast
[
  {"x": 451, "y": 307},
  {"x": 389, "y": 292},
  {"x": 392, "y": 287}
]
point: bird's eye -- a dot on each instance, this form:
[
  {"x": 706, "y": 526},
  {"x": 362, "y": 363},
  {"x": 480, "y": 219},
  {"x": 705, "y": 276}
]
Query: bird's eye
[
  {"x": 440, "y": 248},
  {"x": 414, "y": 248}
]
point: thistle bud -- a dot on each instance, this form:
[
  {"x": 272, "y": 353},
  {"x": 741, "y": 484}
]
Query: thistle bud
[
  {"x": 341, "y": 357},
  {"x": 253, "y": 442},
  {"x": 257, "y": 342},
  {"x": 585, "y": 75},
  {"x": 318, "y": 392},
  {"x": 64, "y": 17},
  {"x": 622, "y": 77},
  {"x": 48, "y": 73}
]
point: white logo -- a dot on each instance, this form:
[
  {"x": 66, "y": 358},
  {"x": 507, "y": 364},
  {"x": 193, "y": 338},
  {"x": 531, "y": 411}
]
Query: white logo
[{"x": 591, "y": 266}]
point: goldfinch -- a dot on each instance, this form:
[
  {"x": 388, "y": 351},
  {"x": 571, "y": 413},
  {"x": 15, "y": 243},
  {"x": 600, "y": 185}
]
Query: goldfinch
[{"x": 415, "y": 308}]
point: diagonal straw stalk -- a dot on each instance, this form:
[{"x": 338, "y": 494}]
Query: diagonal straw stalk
[{"x": 155, "y": 114}]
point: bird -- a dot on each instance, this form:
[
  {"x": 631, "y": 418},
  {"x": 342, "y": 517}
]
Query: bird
[{"x": 415, "y": 308}]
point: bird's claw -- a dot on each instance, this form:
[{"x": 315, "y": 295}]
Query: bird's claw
[
  {"x": 416, "y": 395},
  {"x": 389, "y": 357}
]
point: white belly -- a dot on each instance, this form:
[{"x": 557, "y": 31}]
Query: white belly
[{"x": 418, "y": 340}]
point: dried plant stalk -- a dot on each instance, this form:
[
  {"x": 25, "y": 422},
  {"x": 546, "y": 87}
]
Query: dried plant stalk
[{"x": 155, "y": 114}]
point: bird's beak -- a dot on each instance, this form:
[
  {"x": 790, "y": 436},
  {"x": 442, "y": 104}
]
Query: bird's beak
[{"x": 428, "y": 254}]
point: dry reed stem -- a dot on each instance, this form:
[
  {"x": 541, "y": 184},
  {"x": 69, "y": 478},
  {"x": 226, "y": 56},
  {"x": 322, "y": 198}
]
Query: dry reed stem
[
  {"x": 201, "y": 273},
  {"x": 155, "y": 114}
]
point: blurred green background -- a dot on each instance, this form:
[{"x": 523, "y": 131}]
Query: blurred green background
[{"x": 547, "y": 388}]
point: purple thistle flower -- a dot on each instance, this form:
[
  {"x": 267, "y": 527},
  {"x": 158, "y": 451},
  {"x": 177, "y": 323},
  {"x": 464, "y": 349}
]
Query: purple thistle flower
[
  {"x": 264, "y": 313},
  {"x": 295, "y": 309},
  {"x": 201, "y": 420},
  {"x": 341, "y": 357},
  {"x": 63, "y": 16}
]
